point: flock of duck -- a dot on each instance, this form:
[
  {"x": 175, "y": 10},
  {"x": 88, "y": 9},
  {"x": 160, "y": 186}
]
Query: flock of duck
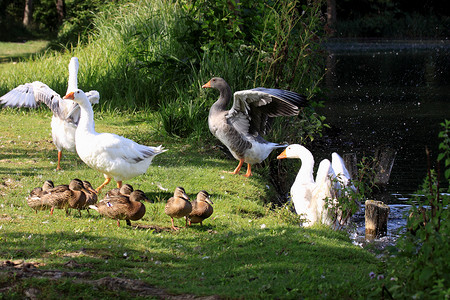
[
  {"x": 239, "y": 128},
  {"x": 122, "y": 203}
]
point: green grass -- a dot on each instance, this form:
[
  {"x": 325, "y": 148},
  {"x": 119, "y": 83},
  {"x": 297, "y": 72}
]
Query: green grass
[
  {"x": 245, "y": 250},
  {"x": 13, "y": 51}
]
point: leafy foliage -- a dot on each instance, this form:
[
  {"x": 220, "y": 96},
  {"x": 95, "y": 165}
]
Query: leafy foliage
[
  {"x": 423, "y": 267},
  {"x": 347, "y": 197}
]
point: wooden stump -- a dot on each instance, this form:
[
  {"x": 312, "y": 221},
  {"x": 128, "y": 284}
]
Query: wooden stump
[
  {"x": 376, "y": 219},
  {"x": 385, "y": 157},
  {"x": 351, "y": 164}
]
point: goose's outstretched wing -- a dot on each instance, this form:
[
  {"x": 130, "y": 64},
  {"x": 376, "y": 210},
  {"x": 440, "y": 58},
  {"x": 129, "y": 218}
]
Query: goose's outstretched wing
[
  {"x": 31, "y": 94},
  {"x": 252, "y": 109}
]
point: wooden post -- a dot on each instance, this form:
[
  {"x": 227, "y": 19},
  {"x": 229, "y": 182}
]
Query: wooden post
[
  {"x": 376, "y": 219},
  {"x": 385, "y": 157},
  {"x": 351, "y": 164}
]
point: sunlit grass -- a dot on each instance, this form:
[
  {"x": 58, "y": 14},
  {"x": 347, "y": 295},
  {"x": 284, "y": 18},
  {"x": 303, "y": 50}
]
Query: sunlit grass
[
  {"x": 9, "y": 50},
  {"x": 243, "y": 250}
]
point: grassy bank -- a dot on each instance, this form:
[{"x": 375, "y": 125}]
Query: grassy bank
[
  {"x": 243, "y": 251},
  {"x": 14, "y": 51}
]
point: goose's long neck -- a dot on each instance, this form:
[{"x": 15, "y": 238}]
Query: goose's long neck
[
  {"x": 86, "y": 123},
  {"x": 305, "y": 174},
  {"x": 224, "y": 98},
  {"x": 73, "y": 78}
]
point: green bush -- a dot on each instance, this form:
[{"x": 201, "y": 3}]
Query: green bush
[{"x": 422, "y": 268}]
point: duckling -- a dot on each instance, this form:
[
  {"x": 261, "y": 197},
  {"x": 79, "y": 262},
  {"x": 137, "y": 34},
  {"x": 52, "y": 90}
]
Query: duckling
[
  {"x": 201, "y": 208},
  {"x": 178, "y": 206},
  {"x": 34, "y": 199},
  {"x": 126, "y": 189},
  {"x": 60, "y": 196},
  {"x": 122, "y": 207}
]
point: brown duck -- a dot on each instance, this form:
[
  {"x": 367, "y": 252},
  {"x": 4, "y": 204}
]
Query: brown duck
[
  {"x": 65, "y": 196},
  {"x": 122, "y": 207},
  {"x": 90, "y": 198},
  {"x": 91, "y": 194},
  {"x": 34, "y": 199},
  {"x": 201, "y": 208},
  {"x": 178, "y": 206},
  {"x": 126, "y": 189}
]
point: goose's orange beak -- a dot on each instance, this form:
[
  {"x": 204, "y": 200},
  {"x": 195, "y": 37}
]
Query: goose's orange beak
[
  {"x": 282, "y": 155},
  {"x": 207, "y": 85},
  {"x": 69, "y": 96}
]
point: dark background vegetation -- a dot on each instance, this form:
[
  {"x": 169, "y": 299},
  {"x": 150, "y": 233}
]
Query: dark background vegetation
[
  {"x": 392, "y": 19},
  {"x": 354, "y": 18}
]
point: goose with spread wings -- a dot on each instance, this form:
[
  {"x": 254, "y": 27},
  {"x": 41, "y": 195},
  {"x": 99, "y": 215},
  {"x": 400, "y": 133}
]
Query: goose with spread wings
[
  {"x": 66, "y": 114},
  {"x": 241, "y": 127}
]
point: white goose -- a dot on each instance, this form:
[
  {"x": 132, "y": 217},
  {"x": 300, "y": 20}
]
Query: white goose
[
  {"x": 66, "y": 114},
  {"x": 241, "y": 127},
  {"x": 308, "y": 195},
  {"x": 115, "y": 156}
]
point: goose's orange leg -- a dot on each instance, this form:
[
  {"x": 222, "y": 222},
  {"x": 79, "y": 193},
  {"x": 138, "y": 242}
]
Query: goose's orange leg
[
  {"x": 107, "y": 180},
  {"x": 249, "y": 171},
  {"x": 58, "y": 166},
  {"x": 238, "y": 168},
  {"x": 119, "y": 184}
]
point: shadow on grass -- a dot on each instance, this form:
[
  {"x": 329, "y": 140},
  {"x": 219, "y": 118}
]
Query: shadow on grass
[{"x": 279, "y": 262}]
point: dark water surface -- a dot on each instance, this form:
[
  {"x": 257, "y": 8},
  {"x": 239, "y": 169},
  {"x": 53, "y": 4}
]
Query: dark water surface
[
  {"x": 393, "y": 94},
  {"x": 387, "y": 93}
]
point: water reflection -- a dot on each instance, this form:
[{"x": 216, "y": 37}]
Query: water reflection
[{"x": 388, "y": 95}]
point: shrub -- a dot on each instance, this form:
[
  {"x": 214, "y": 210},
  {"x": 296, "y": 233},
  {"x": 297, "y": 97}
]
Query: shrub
[{"x": 422, "y": 268}]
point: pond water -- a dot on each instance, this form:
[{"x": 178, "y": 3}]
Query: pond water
[{"x": 388, "y": 93}]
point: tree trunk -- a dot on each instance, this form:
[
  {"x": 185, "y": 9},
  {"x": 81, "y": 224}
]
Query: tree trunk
[
  {"x": 61, "y": 10},
  {"x": 331, "y": 16},
  {"x": 28, "y": 13}
]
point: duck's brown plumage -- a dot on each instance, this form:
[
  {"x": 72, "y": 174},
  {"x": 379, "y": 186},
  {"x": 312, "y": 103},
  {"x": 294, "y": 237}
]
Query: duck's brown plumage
[
  {"x": 65, "y": 196},
  {"x": 34, "y": 199},
  {"x": 91, "y": 194},
  {"x": 240, "y": 128},
  {"x": 178, "y": 206},
  {"x": 201, "y": 208},
  {"x": 122, "y": 207},
  {"x": 125, "y": 189}
]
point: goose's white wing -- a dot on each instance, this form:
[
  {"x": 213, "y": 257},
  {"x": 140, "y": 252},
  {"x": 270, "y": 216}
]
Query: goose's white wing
[
  {"x": 124, "y": 149},
  {"x": 339, "y": 168},
  {"x": 342, "y": 174},
  {"x": 30, "y": 94}
]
